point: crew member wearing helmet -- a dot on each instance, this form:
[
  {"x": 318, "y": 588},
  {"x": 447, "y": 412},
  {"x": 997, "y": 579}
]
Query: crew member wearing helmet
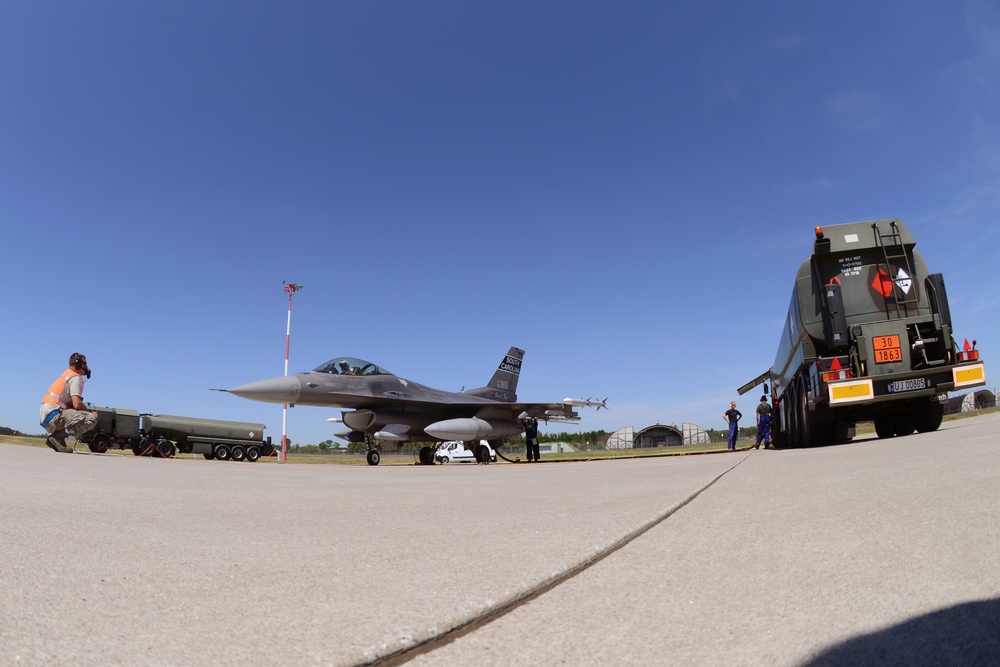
[
  {"x": 63, "y": 411},
  {"x": 733, "y": 416}
]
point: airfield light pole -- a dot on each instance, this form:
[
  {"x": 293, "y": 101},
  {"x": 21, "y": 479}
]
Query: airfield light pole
[{"x": 291, "y": 289}]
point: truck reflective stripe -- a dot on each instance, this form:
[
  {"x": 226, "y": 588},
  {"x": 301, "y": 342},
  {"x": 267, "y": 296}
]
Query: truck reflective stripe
[
  {"x": 969, "y": 375},
  {"x": 845, "y": 392}
]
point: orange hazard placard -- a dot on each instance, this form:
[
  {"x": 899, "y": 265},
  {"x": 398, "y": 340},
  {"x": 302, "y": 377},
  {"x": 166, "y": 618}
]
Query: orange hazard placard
[{"x": 887, "y": 349}]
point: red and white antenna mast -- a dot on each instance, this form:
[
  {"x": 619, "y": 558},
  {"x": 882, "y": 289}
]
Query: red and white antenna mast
[{"x": 291, "y": 288}]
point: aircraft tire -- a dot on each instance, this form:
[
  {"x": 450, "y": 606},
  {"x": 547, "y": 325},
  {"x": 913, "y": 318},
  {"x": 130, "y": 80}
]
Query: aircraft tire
[
  {"x": 253, "y": 454},
  {"x": 238, "y": 453},
  {"x": 482, "y": 454},
  {"x": 426, "y": 456},
  {"x": 222, "y": 453},
  {"x": 373, "y": 457}
]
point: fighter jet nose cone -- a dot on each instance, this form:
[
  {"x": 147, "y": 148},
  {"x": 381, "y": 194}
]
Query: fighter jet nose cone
[{"x": 276, "y": 390}]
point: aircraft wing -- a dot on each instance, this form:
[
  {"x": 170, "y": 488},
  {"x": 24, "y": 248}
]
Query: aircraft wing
[{"x": 557, "y": 412}]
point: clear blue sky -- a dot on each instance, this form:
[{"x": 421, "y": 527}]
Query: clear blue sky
[{"x": 624, "y": 190}]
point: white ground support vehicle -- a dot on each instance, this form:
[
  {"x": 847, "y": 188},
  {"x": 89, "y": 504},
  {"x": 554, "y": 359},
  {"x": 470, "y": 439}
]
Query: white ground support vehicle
[{"x": 456, "y": 450}]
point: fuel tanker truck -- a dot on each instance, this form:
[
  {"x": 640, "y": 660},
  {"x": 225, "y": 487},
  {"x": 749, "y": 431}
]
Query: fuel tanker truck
[
  {"x": 868, "y": 337},
  {"x": 165, "y": 435}
]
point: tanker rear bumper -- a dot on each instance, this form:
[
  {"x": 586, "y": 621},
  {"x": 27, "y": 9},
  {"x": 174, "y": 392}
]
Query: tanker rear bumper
[{"x": 901, "y": 386}]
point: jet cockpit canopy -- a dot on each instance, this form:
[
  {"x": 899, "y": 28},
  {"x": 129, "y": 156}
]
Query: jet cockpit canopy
[{"x": 350, "y": 366}]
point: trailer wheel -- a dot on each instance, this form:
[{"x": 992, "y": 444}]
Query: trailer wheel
[
  {"x": 209, "y": 456},
  {"x": 426, "y": 456},
  {"x": 884, "y": 427},
  {"x": 791, "y": 427},
  {"x": 238, "y": 453},
  {"x": 902, "y": 424},
  {"x": 929, "y": 418},
  {"x": 373, "y": 457},
  {"x": 805, "y": 428},
  {"x": 100, "y": 444},
  {"x": 253, "y": 454},
  {"x": 222, "y": 453}
]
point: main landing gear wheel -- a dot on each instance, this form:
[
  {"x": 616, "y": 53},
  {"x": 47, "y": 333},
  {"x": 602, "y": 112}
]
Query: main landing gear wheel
[
  {"x": 426, "y": 456},
  {"x": 482, "y": 454},
  {"x": 373, "y": 457}
]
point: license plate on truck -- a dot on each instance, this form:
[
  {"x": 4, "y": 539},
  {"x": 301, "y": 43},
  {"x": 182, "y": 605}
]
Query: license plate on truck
[{"x": 907, "y": 385}]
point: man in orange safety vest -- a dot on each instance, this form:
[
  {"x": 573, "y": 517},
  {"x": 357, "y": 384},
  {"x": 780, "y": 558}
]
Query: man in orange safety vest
[{"x": 63, "y": 411}]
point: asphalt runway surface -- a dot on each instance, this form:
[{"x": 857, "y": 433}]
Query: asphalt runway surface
[{"x": 870, "y": 553}]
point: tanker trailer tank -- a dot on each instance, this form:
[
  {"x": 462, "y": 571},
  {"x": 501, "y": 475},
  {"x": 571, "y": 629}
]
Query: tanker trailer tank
[{"x": 212, "y": 438}]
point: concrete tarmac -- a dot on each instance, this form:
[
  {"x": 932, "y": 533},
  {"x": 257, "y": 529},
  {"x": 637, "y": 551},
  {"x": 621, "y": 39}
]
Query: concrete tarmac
[{"x": 874, "y": 552}]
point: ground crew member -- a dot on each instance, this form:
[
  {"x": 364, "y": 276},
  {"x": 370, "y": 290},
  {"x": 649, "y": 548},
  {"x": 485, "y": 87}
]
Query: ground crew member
[
  {"x": 531, "y": 439},
  {"x": 763, "y": 423},
  {"x": 733, "y": 416},
  {"x": 63, "y": 411}
]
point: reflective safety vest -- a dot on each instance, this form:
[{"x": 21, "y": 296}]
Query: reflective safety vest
[{"x": 54, "y": 395}]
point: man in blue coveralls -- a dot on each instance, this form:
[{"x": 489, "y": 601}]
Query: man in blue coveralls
[
  {"x": 733, "y": 416},
  {"x": 763, "y": 423}
]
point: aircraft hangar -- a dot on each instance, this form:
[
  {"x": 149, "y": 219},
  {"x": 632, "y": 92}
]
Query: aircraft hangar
[{"x": 657, "y": 435}]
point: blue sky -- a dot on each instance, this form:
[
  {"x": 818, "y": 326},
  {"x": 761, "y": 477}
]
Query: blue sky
[{"x": 624, "y": 190}]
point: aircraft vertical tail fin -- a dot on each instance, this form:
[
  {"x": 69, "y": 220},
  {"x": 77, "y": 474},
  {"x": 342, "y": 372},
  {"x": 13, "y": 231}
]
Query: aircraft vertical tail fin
[{"x": 503, "y": 385}]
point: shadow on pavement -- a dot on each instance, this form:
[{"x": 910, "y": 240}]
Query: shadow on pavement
[{"x": 966, "y": 634}]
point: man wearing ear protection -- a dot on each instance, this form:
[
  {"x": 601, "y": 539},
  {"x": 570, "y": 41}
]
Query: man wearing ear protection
[{"x": 63, "y": 411}]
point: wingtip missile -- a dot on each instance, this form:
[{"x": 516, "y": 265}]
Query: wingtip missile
[{"x": 586, "y": 403}]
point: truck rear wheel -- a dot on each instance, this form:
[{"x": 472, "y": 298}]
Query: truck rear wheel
[
  {"x": 238, "y": 453},
  {"x": 884, "y": 427},
  {"x": 805, "y": 428},
  {"x": 928, "y": 417},
  {"x": 253, "y": 454},
  {"x": 902, "y": 424},
  {"x": 222, "y": 452}
]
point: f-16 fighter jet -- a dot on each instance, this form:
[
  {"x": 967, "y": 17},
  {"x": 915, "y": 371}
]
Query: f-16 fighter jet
[{"x": 384, "y": 408}]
